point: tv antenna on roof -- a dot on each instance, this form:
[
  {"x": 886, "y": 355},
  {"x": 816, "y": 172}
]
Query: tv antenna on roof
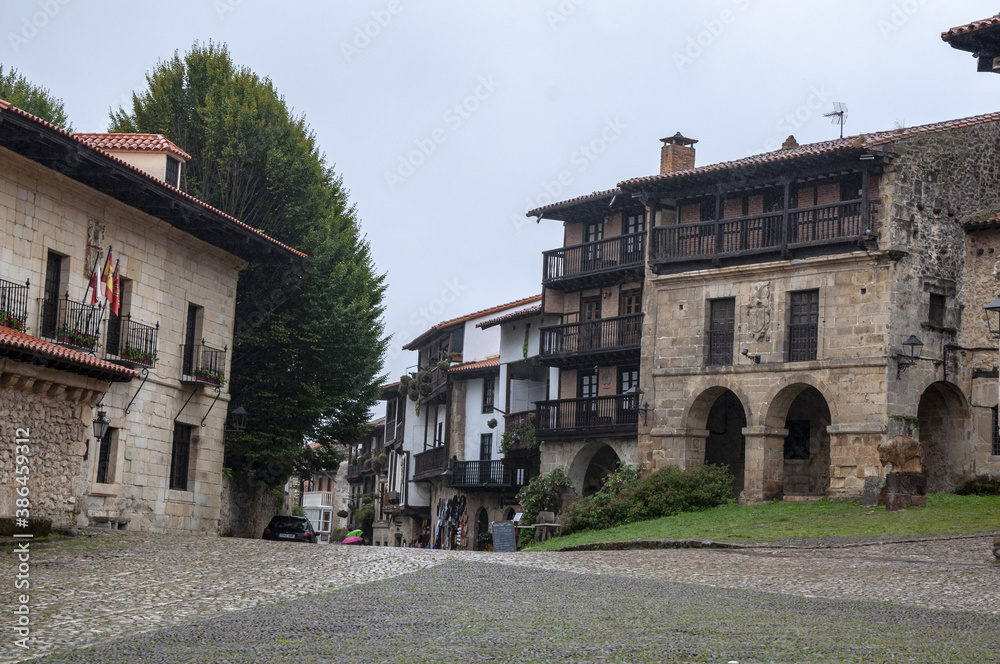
[{"x": 839, "y": 115}]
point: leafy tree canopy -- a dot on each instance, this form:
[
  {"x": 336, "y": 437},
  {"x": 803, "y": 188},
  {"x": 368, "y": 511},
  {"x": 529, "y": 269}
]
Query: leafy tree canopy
[
  {"x": 309, "y": 339},
  {"x": 34, "y": 99}
]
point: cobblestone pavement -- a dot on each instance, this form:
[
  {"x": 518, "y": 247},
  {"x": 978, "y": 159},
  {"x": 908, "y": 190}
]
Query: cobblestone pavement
[{"x": 103, "y": 586}]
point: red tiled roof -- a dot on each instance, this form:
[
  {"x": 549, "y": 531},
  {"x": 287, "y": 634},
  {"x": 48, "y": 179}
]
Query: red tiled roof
[
  {"x": 491, "y": 363},
  {"x": 983, "y": 222},
  {"x": 523, "y": 313},
  {"x": 7, "y": 107},
  {"x": 414, "y": 345},
  {"x": 132, "y": 143},
  {"x": 862, "y": 141},
  {"x": 971, "y": 27},
  {"x": 83, "y": 362}
]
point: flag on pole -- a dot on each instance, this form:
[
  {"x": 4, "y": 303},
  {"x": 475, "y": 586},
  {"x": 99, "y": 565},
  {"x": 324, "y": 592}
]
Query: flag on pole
[
  {"x": 92, "y": 285},
  {"x": 108, "y": 278},
  {"x": 116, "y": 298}
]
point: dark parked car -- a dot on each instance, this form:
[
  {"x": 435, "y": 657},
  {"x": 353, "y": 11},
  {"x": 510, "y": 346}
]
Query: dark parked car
[{"x": 293, "y": 528}]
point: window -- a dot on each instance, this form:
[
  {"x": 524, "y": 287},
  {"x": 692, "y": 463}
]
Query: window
[
  {"x": 53, "y": 286},
  {"x": 935, "y": 310},
  {"x": 721, "y": 327},
  {"x": 797, "y": 442},
  {"x": 590, "y": 328},
  {"x": 180, "y": 457},
  {"x": 173, "y": 172},
  {"x": 995, "y": 448},
  {"x": 630, "y": 330},
  {"x": 803, "y": 327},
  {"x": 104, "y": 458},
  {"x": 489, "y": 392},
  {"x": 586, "y": 383},
  {"x": 592, "y": 236},
  {"x": 190, "y": 339},
  {"x": 707, "y": 209},
  {"x": 633, "y": 222},
  {"x": 485, "y": 446}
]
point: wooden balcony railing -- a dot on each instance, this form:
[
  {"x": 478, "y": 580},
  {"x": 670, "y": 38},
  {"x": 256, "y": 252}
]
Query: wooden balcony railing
[
  {"x": 70, "y": 323},
  {"x": 485, "y": 476},
  {"x": 317, "y": 499},
  {"x": 620, "y": 333},
  {"x": 625, "y": 252},
  {"x": 14, "y": 305},
  {"x": 831, "y": 224},
  {"x": 433, "y": 461},
  {"x": 565, "y": 418}
]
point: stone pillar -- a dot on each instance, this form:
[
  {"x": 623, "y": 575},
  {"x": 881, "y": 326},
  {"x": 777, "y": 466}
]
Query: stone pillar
[
  {"x": 765, "y": 449},
  {"x": 667, "y": 446},
  {"x": 853, "y": 458}
]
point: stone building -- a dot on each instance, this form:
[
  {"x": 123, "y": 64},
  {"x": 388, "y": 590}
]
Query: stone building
[
  {"x": 155, "y": 371},
  {"x": 783, "y": 294}
]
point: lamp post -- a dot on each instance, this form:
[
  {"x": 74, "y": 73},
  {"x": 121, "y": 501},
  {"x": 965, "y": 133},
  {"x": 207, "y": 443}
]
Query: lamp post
[
  {"x": 101, "y": 423},
  {"x": 238, "y": 419},
  {"x": 904, "y": 362},
  {"x": 993, "y": 318}
]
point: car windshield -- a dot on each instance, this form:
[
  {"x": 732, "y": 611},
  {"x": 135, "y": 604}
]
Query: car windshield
[{"x": 289, "y": 524}]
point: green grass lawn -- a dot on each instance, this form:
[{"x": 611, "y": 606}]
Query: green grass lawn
[{"x": 944, "y": 514}]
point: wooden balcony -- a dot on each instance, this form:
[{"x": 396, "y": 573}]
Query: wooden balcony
[
  {"x": 430, "y": 464},
  {"x": 593, "y": 264},
  {"x": 317, "y": 499},
  {"x": 605, "y": 341},
  {"x": 485, "y": 476},
  {"x": 616, "y": 415},
  {"x": 816, "y": 230}
]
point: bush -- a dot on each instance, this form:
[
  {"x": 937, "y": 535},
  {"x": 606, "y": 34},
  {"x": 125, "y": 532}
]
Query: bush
[
  {"x": 984, "y": 485},
  {"x": 543, "y": 494},
  {"x": 298, "y": 511},
  {"x": 625, "y": 498}
]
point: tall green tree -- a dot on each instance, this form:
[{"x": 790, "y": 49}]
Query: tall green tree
[
  {"x": 309, "y": 339},
  {"x": 34, "y": 99}
]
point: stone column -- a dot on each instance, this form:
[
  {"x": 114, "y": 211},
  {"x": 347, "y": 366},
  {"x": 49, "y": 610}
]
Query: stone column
[
  {"x": 853, "y": 457},
  {"x": 765, "y": 457}
]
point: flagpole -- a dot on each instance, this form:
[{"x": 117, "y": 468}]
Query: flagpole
[{"x": 90, "y": 279}]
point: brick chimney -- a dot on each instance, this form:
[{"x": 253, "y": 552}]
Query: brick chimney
[
  {"x": 677, "y": 154},
  {"x": 789, "y": 143}
]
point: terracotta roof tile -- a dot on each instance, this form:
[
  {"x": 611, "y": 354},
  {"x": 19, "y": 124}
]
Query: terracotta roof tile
[
  {"x": 523, "y": 313},
  {"x": 414, "y": 345},
  {"x": 132, "y": 143},
  {"x": 971, "y": 27},
  {"x": 490, "y": 363},
  {"x": 20, "y": 341},
  {"x": 7, "y": 107}
]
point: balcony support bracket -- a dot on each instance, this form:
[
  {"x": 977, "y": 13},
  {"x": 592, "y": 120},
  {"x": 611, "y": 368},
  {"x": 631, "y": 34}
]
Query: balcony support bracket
[
  {"x": 218, "y": 393},
  {"x": 145, "y": 376}
]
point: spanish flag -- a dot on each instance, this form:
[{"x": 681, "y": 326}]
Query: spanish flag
[
  {"x": 108, "y": 278},
  {"x": 116, "y": 299}
]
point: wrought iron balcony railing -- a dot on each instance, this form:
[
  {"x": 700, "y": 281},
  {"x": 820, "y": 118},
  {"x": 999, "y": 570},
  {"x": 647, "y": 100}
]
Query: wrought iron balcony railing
[
  {"x": 566, "y": 418},
  {"x": 14, "y": 305},
  {"x": 605, "y": 335},
  {"x": 203, "y": 364},
  {"x": 131, "y": 342},
  {"x": 833, "y": 224},
  {"x": 570, "y": 266},
  {"x": 73, "y": 324},
  {"x": 485, "y": 476}
]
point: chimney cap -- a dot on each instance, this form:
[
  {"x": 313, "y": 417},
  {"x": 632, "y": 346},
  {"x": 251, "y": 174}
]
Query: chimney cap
[
  {"x": 677, "y": 139},
  {"x": 790, "y": 143}
]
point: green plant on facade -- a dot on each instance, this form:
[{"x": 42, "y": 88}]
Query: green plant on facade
[
  {"x": 520, "y": 435},
  {"x": 416, "y": 385},
  {"x": 138, "y": 356},
  {"x": 544, "y": 494}
]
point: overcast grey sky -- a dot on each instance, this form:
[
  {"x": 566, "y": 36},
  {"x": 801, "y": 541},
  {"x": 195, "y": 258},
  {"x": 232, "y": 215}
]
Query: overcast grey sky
[{"x": 448, "y": 120}]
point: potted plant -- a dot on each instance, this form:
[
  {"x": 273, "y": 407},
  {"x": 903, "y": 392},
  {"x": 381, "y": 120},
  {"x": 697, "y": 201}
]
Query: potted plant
[
  {"x": 443, "y": 365},
  {"x": 209, "y": 376},
  {"x": 343, "y": 514},
  {"x": 75, "y": 337},
  {"x": 138, "y": 356},
  {"x": 492, "y": 423},
  {"x": 519, "y": 436},
  {"x": 8, "y": 319},
  {"x": 382, "y": 460}
]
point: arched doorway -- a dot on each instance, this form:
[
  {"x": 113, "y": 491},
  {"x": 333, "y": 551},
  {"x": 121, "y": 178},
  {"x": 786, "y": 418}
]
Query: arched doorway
[
  {"x": 725, "y": 445},
  {"x": 806, "y": 469},
  {"x": 945, "y": 431},
  {"x": 482, "y": 528},
  {"x": 603, "y": 463}
]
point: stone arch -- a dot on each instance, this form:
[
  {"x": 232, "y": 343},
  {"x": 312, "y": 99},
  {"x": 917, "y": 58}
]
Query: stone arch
[
  {"x": 592, "y": 463},
  {"x": 774, "y": 411},
  {"x": 945, "y": 432},
  {"x": 698, "y": 410},
  {"x": 806, "y": 455},
  {"x": 482, "y": 524},
  {"x": 721, "y": 413}
]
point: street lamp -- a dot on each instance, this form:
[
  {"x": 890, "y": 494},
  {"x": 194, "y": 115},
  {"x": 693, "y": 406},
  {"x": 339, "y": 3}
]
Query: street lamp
[
  {"x": 993, "y": 318},
  {"x": 238, "y": 418},
  {"x": 101, "y": 423},
  {"x": 904, "y": 362}
]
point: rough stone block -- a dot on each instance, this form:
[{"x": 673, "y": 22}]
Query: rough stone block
[
  {"x": 874, "y": 492},
  {"x": 913, "y": 484}
]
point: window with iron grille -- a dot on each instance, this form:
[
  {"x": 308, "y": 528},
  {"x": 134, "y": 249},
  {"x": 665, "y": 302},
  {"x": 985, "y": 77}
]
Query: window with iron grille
[
  {"x": 489, "y": 392},
  {"x": 935, "y": 310},
  {"x": 721, "y": 327},
  {"x": 104, "y": 457},
  {"x": 180, "y": 457},
  {"x": 995, "y": 451},
  {"x": 803, "y": 326}
]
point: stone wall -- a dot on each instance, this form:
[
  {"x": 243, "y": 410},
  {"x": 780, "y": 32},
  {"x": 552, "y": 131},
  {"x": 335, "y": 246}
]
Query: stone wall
[{"x": 247, "y": 507}]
